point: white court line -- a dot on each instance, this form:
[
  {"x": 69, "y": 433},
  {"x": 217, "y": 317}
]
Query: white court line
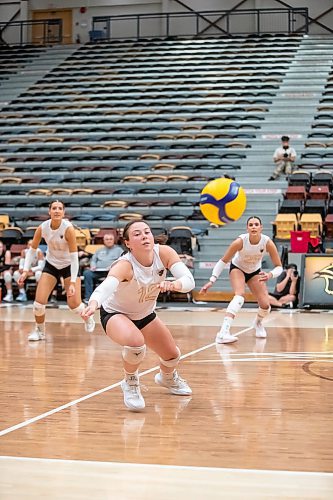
[
  {"x": 136, "y": 465},
  {"x": 96, "y": 393},
  {"x": 259, "y": 360}
]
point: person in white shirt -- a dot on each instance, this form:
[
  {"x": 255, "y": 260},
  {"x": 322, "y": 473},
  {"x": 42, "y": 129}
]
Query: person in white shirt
[
  {"x": 61, "y": 260},
  {"x": 245, "y": 254},
  {"x": 127, "y": 300},
  {"x": 284, "y": 157},
  {"x": 35, "y": 270}
]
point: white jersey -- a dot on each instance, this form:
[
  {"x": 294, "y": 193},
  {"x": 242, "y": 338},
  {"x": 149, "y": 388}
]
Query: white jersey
[
  {"x": 57, "y": 252},
  {"x": 35, "y": 260},
  {"x": 250, "y": 257},
  {"x": 137, "y": 298}
]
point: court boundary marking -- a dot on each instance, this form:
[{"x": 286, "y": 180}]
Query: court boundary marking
[
  {"x": 135, "y": 465},
  {"x": 100, "y": 391}
]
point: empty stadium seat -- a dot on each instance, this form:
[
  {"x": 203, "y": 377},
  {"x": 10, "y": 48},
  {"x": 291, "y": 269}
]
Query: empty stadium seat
[
  {"x": 312, "y": 222},
  {"x": 283, "y": 224}
]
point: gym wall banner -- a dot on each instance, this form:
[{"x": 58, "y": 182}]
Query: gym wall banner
[{"x": 317, "y": 281}]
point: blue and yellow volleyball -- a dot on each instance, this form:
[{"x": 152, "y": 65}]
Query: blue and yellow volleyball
[{"x": 222, "y": 201}]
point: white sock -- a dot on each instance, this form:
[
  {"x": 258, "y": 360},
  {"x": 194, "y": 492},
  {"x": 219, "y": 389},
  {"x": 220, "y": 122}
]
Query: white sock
[
  {"x": 129, "y": 375},
  {"x": 225, "y": 328},
  {"x": 79, "y": 309},
  {"x": 41, "y": 327},
  {"x": 168, "y": 376}
]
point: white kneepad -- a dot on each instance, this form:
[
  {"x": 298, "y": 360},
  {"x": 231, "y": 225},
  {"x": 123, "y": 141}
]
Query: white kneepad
[
  {"x": 171, "y": 363},
  {"x": 133, "y": 355},
  {"x": 16, "y": 275},
  {"x": 235, "y": 305},
  {"x": 7, "y": 276},
  {"x": 38, "y": 309},
  {"x": 38, "y": 275}
]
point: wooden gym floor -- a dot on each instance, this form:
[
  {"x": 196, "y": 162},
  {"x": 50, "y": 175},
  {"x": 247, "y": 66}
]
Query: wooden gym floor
[{"x": 259, "y": 423}]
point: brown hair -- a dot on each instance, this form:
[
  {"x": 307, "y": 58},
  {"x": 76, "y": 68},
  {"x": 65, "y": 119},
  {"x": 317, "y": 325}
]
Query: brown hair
[
  {"x": 253, "y": 217},
  {"x": 127, "y": 227},
  {"x": 57, "y": 201}
]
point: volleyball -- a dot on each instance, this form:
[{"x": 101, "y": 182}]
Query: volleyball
[{"x": 222, "y": 201}]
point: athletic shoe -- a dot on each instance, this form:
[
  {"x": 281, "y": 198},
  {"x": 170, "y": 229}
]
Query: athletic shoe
[
  {"x": 132, "y": 394},
  {"x": 8, "y": 297},
  {"x": 89, "y": 325},
  {"x": 260, "y": 330},
  {"x": 22, "y": 297},
  {"x": 174, "y": 383},
  {"x": 225, "y": 338},
  {"x": 36, "y": 335}
]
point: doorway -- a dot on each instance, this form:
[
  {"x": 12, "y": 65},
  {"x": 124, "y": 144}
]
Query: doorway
[{"x": 52, "y": 35}]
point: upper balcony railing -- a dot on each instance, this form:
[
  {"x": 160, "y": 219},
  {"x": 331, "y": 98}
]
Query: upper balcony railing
[
  {"x": 198, "y": 24},
  {"x": 41, "y": 32}
]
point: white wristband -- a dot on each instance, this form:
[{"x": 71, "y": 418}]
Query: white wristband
[
  {"x": 218, "y": 268},
  {"x": 184, "y": 275},
  {"x": 276, "y": 271},
  {"x": 104, "y": 290},
  {"x": 74, "y": 256}
]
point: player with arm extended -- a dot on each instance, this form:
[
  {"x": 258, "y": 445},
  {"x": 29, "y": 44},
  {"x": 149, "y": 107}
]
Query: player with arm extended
[
  {"x": 127, "y": 300},
  {"x": 61, "y": 260},
  {"x": 245, "y": 255}
]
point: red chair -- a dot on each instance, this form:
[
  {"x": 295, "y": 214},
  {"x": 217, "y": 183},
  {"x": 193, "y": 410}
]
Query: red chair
[
  {"x": 295, "y": 193},
  {"x": 299, "y": 241},
  {"x": 319, "y": 193}
]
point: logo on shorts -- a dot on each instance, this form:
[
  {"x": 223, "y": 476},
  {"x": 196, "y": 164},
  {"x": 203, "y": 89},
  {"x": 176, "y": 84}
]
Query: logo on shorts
[{"x": 160, "y": 273}]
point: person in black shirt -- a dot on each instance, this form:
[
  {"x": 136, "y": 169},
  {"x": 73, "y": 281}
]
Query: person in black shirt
[{"x": 287, "y": 288}]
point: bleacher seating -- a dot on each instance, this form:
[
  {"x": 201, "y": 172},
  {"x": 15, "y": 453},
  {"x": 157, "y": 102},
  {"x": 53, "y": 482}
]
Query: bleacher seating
[{"x": 123, "y": 130}]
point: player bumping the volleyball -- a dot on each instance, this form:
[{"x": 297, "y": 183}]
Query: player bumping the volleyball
[
  {"x": 127, "y": 299},
  {"x": 61, "y": 261},
  {"x": 245, "y": 255}
]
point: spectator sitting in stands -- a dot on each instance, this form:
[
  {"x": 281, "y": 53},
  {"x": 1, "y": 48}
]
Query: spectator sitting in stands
[
  {"x": 100, "y": 264},
  {"x": 6, "y": 272},
  {"x": 287, "y": 288},
  {"x": 36, "y": 270},
  {"x": 284, "y": 158}
]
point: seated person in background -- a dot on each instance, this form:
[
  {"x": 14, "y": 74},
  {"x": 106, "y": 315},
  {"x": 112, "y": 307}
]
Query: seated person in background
[
  {"x": 284, "y": 158},
  {"x": 287, "y": 287},
  {"x": 100, "y": 264},
  {"x": 6, "y": 271},
  {"x": 36, "y": 270}
]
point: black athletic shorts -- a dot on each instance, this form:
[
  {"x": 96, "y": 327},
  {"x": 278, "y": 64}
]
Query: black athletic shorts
[
  {"x": 248, "y": 276},
  {"x": 65, "y": 272},
  {"x": 139, "y": 323}
]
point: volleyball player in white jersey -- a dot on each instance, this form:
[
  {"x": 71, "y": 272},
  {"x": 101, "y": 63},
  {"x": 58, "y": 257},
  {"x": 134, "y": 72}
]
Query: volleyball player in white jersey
[
  {"x": 61, "y": 260},
  {"x": 127, "y": 299},
  {"x": 246, "y": 253}
]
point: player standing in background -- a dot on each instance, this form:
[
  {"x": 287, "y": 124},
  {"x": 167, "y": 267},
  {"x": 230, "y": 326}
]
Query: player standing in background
[
  {"x": 245, "y": 254},
  {"x": 61, "y": 260}
]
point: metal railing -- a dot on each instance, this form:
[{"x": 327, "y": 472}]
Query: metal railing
[
  {"x": 41, "y": 32},
  {"x": 203, "y": 23}
]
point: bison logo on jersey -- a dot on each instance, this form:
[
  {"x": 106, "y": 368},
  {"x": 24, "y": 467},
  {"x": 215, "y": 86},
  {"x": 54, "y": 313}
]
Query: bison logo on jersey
[{"x": 327, "y": 275}]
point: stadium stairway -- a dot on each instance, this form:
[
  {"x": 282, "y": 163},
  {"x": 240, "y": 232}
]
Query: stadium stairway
[
  {"x": 291, "y": 113},
  {"x": 28, "y": 75}
]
